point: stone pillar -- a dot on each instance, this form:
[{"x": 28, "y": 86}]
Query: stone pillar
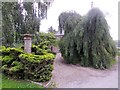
[{"x": 27, "y": 43}]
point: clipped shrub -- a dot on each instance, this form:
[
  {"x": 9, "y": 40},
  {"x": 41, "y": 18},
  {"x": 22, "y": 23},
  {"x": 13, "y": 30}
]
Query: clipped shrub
[
  {"x": 11, "y": 64},
  {"x": 11, "y": 51},
  {"x": 36, "y": 66}
]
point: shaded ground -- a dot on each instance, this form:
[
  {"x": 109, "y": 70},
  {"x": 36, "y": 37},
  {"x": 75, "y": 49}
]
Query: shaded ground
[{"x": 72, "y": 76}]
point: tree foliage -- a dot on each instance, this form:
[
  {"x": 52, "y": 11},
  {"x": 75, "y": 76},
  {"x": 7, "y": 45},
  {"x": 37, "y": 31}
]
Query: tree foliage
[
  {"x": 8, "y": 10},
  {"x": 20, "y": 18},
  {"x": 89, "y": 44},
  {"x": 68, "y": 20}
]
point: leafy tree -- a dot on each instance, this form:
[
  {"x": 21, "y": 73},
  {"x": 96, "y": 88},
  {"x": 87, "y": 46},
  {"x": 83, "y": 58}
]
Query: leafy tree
[
  {"x": 8, "y": 11},
  {"x": 68, "y": 21},
  {"x": 16, "y": 23},
  {"x": 90, "y": 43}
]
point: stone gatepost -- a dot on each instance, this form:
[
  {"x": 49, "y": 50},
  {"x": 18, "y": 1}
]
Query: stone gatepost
[{"x": 27, "y": 43}]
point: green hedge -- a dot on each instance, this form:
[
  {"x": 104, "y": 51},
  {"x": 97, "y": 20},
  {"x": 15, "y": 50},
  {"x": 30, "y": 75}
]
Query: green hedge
[{"x": 36, "y": 66}]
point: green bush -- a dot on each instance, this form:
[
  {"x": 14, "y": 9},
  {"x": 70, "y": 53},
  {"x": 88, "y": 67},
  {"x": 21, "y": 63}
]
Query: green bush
[
  {"x": 11, "y": 51},
  {"x": 40, "y": 50},
  {"x": 42, "y": 43},
  {"x": 44, "y": 39},
  {"x": 36, "y": 66}
]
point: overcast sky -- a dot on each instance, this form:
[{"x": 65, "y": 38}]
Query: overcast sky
[{"x": 109, "y": 7}]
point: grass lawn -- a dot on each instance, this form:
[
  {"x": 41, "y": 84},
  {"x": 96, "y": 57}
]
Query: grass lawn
[{"x": 12, "y": 83}]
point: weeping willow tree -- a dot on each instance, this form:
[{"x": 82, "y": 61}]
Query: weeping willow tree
[
  {"x": 68, "y": 20},
  {"x": 90, "y": 43}
]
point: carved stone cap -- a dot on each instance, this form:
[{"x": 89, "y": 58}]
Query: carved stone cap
[{"x": 27, "y": 35}]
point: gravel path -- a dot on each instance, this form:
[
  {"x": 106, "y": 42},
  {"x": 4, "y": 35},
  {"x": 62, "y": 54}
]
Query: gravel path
[{"x": 72, "y": 76}]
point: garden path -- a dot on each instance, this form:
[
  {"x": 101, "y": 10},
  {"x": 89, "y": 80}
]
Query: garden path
[{"x": 73, "y": 76}]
